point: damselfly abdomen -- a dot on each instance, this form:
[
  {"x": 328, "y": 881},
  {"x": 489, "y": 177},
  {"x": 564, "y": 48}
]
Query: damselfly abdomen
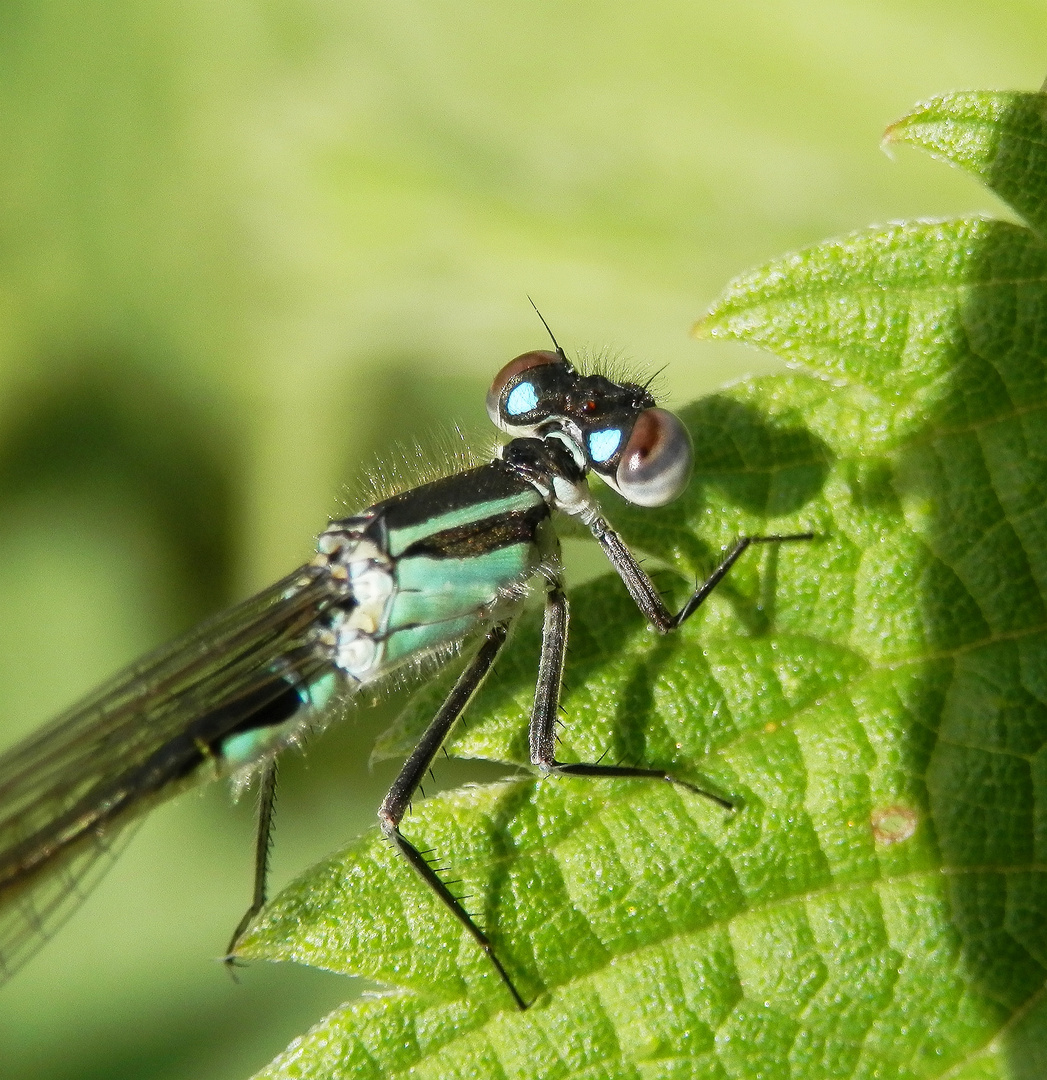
[{"x": 411, "y": 578}]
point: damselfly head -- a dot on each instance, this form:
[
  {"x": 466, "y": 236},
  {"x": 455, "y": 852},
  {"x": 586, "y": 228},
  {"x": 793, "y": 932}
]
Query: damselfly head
[{"x": 643, "y": 452}]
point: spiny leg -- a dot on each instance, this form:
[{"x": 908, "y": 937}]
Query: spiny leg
[
  {"x": 547, "y": 704},
  {"x": 642, "y": 589},
  {"x": 397, "y": 801},
  {"x": 262, "y": 848},
  {"x": 649, "y": 601}
]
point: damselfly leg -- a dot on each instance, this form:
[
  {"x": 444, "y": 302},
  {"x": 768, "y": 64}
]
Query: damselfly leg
[
  {"x": 397, "y": 801},
  {"x": 263, "y": 846},
  {"x": 544, "y": 714}
]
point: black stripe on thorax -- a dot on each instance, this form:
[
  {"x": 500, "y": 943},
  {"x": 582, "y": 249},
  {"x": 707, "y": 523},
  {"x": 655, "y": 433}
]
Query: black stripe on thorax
[{"x": 482, "y": 536}]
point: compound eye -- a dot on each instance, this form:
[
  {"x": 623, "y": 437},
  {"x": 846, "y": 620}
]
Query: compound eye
[
  {"x": 656, "y": 462},
  {"x": 523, "y": 397}
]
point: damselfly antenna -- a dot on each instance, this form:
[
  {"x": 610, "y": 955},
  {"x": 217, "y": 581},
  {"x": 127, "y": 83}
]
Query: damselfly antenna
[{"x": 552, "y": 336}]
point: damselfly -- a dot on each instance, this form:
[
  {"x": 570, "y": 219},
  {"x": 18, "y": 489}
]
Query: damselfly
[{"x": 415, "y": 576}]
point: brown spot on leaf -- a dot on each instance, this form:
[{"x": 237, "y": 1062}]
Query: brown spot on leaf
[{"x": 893, "y": 824}]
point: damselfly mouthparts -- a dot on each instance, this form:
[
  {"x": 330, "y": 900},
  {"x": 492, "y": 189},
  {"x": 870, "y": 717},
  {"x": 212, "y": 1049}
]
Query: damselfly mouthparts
[{"x": 412, "y": 577}]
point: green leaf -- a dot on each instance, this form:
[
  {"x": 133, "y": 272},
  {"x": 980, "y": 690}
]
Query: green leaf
[
  {"x": 874, "y": 701},
  {"x": 1000, "y": 137}
]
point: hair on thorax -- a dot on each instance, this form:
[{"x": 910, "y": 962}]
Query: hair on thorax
[{"x": 437, "y": 453}]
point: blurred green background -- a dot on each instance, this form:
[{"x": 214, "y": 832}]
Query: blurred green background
[{"x": 246, "y": 245}]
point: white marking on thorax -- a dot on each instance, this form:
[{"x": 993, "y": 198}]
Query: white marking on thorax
[
  {"x": 352, "y": 638},
  {"x": 575, "y": 499}
]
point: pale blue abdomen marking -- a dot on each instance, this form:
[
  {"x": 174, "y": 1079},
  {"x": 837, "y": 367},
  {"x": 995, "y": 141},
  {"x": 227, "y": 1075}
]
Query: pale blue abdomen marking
[{"x": 247, "y": 747}]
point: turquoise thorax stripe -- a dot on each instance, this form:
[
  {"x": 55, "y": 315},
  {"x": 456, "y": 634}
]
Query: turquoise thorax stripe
[
  {"x": 416, "y": 641},
  {"x": 430, "y": 590},
  {"x": 402, "y": 538}
]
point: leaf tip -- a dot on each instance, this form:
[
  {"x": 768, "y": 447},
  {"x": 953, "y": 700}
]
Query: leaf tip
[
  {"x": 901, "y": 131},
  {"x": 892, "y": 135}
]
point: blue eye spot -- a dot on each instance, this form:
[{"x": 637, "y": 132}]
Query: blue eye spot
[
  {"x": 603, "y": 444},
  {"x": 522, "y": 399}
]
